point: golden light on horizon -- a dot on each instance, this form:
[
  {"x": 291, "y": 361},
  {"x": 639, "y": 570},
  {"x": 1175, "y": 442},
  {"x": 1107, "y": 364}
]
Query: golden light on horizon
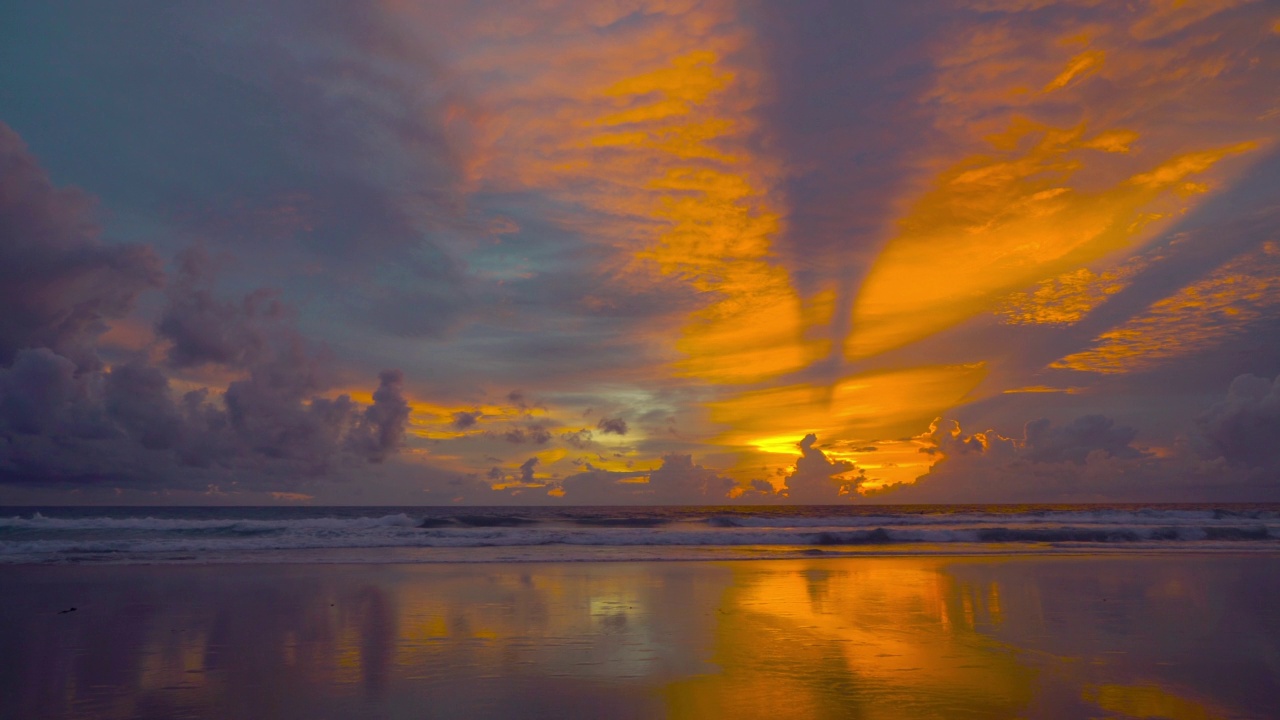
[{"x": 890, "y": 403}]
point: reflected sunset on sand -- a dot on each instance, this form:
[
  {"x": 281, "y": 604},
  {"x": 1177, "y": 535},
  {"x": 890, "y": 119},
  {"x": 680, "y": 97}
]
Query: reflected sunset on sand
[{"x": 1177, "y": 636}]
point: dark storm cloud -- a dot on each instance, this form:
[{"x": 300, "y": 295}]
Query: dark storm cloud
[
  {"x": 275, "y": 411},
  {"x": 58, "y": 283},
  {"x": 44, "y": 393},
  {"x": 1244, "y": 428},
  {"x": 267, "y": 411},
  {"x": 677, "y": 481},
  {"x": 1228, "y": 453},
  {"x": 615, "y": 426},
  {"x": 534, "y": 433},
  {"x": 380, "y": 429},
  {"x": 463, "y": 420},
  {"x": 601, "y": 487},
  {"x": 138, "y": 397},
  {"x": 64, "y": 419},
  {"x": 817, "y": 478},
  {"x": 124, "y": 427},
  {"x": 276, "y": 415},
  {"x": 1073, "y": 442},
  {"x": 579, "y": 439},
  {"x": 1088, "y": 459},
  {"x": 526, "y": 470},
  {"x": 203, "y": 328}
]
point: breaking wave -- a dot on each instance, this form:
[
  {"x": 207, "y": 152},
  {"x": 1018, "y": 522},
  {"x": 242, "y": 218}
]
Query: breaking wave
[{"x": 135, "y": 535}]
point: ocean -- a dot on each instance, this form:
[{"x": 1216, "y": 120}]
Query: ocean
[{"x": 206, "y": 535}]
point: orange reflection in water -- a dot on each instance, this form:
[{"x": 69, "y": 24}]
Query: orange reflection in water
[
  {"x": 879, "y": 638},
  {"x": 1149, "y": 701},
  {"x": 1176, "y": 636},
  {"x": 1009, "y": 637}
]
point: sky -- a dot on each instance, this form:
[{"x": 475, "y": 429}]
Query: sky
[{"x": 639, "y": 252}]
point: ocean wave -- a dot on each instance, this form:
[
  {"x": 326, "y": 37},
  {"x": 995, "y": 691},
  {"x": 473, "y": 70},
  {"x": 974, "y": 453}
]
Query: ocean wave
[
  {"x": 408, "y": 536},
  {"x": 39, "y": 522},
  {"x": 1081, "y": 517},
  {"x": 146, "y": 537}
]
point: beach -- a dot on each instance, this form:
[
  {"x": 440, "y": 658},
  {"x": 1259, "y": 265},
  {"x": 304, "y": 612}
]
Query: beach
[{"x": 1174, "y": 635}]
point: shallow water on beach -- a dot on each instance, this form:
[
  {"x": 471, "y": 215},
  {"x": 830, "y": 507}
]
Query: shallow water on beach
[{"x": 1124, "y": 636}]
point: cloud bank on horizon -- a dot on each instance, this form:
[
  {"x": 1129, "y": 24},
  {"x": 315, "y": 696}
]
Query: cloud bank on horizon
[{"x": 642, "y": 252}]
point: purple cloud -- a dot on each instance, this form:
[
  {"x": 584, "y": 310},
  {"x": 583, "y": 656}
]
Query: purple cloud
[
  {"x": 59, "y": 285},
  {"x": 614, "y": 426},
  {"x": 817, "y": 478}
]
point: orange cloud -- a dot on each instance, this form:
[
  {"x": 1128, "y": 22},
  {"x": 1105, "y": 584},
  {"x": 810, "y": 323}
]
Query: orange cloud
[
  {"x": 647, "y": 138},
  {"x": 997, "y": 223},
  {"x": 1082, "y": 65},
  {"x": 292, "y": 496},
  {"x": 1014, "y": 197},
  {"x": 1196, "y": 318},
  {"x": 1169, "y": 16},
  {"x": 1068, "y": 298}
]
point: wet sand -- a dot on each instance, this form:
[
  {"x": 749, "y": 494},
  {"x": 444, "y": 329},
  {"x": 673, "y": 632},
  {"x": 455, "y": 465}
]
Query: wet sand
[{"x": 1141, "y": 636}]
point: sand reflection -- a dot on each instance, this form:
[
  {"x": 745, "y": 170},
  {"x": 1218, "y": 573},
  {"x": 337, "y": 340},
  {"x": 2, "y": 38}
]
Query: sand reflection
[{"x": 1168, "y": 636}]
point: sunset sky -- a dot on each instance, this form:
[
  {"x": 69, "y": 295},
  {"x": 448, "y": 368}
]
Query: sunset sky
[{"x": 655, "y": 252}]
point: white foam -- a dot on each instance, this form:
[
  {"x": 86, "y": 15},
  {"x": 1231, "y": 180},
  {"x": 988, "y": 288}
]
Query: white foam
[
  {"x": 40, "y": 522},
  {"x": 148, "y": 538}
]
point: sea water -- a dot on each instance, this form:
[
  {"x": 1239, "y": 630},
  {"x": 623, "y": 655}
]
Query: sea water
[{"x": 201, "y": 535}]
